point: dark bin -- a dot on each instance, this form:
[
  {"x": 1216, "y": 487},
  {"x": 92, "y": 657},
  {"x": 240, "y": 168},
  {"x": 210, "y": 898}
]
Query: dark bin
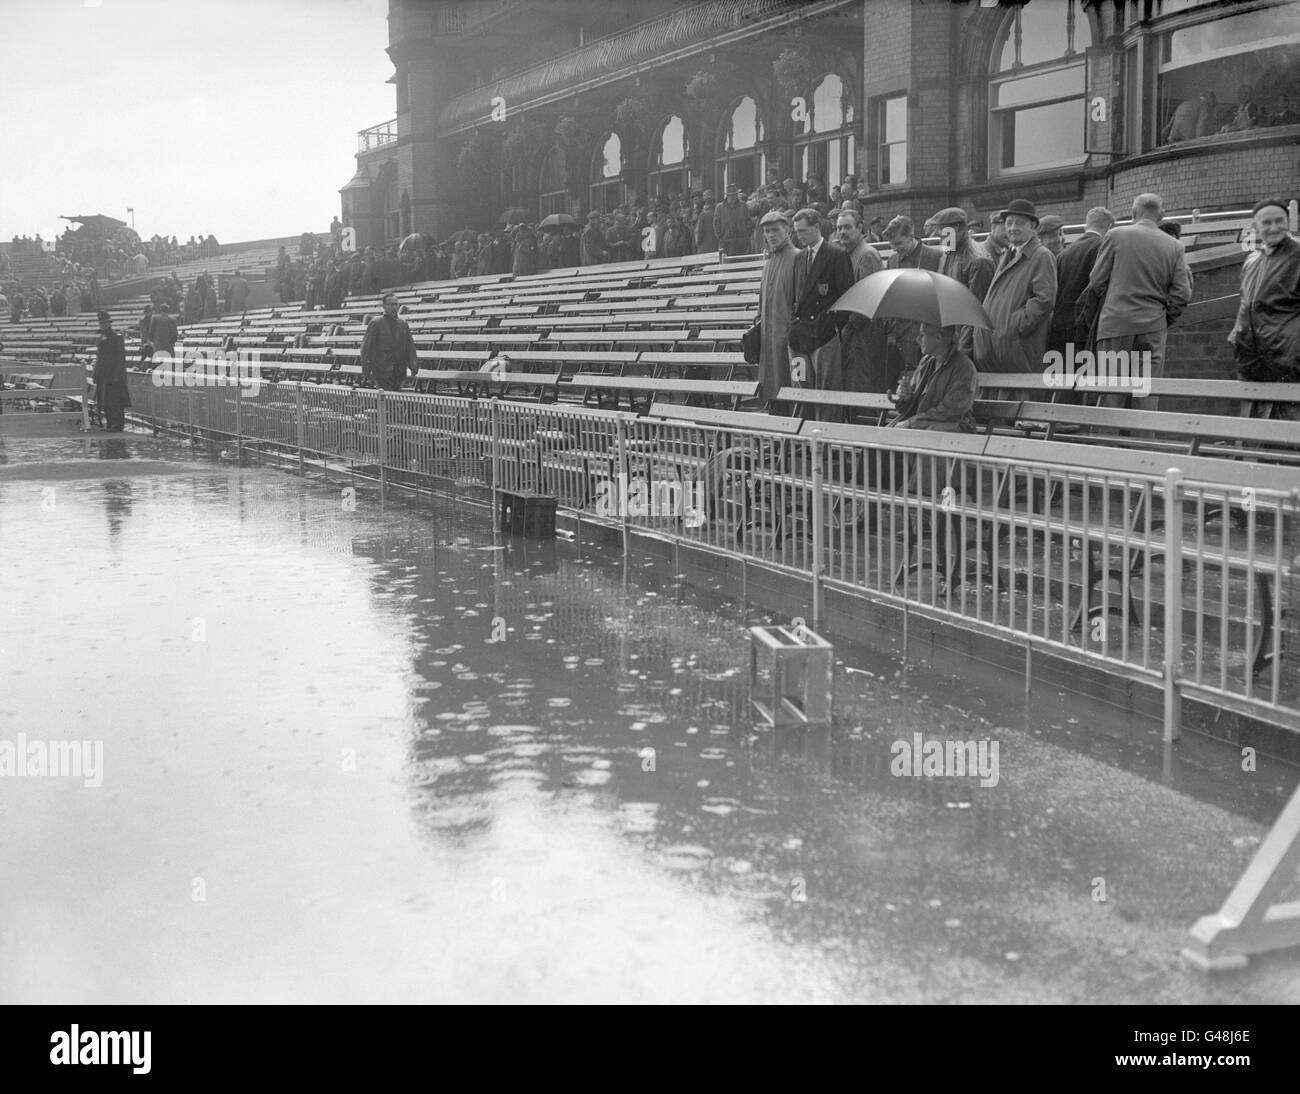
[{"x": 528, "y": 515}]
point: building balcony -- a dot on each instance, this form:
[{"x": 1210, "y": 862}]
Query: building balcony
[
  {"x": 377, "y": 136},
  {"x": 677, "y": 34}
]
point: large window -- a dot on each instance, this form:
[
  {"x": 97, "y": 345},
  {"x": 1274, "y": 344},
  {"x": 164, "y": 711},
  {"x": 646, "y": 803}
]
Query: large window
[
  {"x": 668, "y": 173},
  {"x": 739, "y": 160},
  {"x": 1230, "y": 73},
  {"x": 1036, "y": 92},
  {"x": 825, "y": 142},
  {"x": 554, "y": 192},
  {"x": 607, "y": 187},
  {"x": 891, "y": 140}
]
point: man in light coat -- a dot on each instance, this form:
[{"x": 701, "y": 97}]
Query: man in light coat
[
  {"x": 1019, "y": 300},
  {"x": 1142, "y": 281}
]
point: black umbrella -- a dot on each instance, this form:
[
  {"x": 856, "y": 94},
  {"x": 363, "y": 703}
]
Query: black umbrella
[{"x": 558, "y": 220}]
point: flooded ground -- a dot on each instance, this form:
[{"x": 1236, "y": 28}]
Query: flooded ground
[{"x": 364, "y": 753}]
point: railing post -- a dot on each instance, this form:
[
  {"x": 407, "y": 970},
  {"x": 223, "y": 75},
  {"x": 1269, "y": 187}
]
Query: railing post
[
  {"x": 1173, "y": 602},
  {"x": 301, "y": 425},
  {"x": 818, "y": 535},
  {"x": 239, "y": 423},
  {"x": 623, "y": 482},
  {"x": 495, "y": 421},
  {"x": 85, "y": 402},
  {"x": 381, "y": 424}
]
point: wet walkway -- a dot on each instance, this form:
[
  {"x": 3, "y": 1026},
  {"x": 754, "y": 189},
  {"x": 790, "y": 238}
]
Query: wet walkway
[{"x": 363, "y": 753}]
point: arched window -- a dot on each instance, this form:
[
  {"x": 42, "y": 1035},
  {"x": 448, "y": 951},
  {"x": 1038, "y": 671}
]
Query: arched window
[
  {"x": 553, "y": 187},
  {"x": 826, "y": 143},
  {"x": 1036, "y": 90},
  {"x": 607, "y": 187},
  {"x": 668, "y": 173},
  {"x": 739, "y": 159}
]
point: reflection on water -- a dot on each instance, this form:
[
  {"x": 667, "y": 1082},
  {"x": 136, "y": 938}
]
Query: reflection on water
[{"x": 526, "y": 770}]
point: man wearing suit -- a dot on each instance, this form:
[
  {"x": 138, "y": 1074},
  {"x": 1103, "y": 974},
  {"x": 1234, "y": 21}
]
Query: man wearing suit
[
  {"x": 822, "y": 274},
  {"x": 1141, "y": 280},
  {"x": 1019, "y": 299},
  {"x": 909, "y": 253}
]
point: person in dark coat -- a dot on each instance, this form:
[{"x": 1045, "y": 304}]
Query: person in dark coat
[
  {"x": 909, "y": 253},
  {"x": 525, "y": 251},
  {"x": 111, "y": 394},
  {"x": 1266, "y": 335},
  {"x": 163, "y": 332},
  {"x": 1073, "y": 269},
  {"x": 58, "y": 302},
  {"x": 388, "y": 350},
  {"x": 822, "y": 274}
]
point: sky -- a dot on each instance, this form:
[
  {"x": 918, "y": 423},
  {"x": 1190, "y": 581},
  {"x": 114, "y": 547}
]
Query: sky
[{"x": 231, "y": 117}]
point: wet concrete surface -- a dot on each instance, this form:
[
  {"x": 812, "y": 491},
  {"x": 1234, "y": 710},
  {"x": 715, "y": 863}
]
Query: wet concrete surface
[{"x": 354, "y": 752}]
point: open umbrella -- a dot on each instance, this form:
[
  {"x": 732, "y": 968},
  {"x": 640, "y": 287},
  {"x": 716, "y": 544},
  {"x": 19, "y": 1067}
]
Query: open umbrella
[
  {"x": 921, "y": 295},
  {"x": 558, "y": 220},
  {"x": 513, "y": 216},
  {"x": 465, "y": 235}
]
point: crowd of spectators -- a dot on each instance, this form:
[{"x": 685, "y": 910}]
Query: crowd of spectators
[
  {"x": 76, "y": 293},
  {"x": 1116, "y": 289}
]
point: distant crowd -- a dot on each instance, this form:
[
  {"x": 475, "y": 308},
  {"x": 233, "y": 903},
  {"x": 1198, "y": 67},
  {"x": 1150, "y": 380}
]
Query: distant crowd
[{"x": 1205, "y": 116}]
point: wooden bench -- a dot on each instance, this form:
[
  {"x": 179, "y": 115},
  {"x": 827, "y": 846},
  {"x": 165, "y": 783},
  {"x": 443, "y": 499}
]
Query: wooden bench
[{"x": 644, "y": 389}]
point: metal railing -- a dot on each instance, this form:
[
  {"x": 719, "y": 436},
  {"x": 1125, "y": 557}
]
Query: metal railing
[
  {"x": 377, "y": 135},
  {"x": 1123, "y": 571}
]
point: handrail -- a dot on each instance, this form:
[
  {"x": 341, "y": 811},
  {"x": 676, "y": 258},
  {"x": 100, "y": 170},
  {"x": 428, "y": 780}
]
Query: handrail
[{"x": 377, "y": 135}]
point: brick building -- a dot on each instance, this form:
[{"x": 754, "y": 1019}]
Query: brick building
[{"x": 566, "y": 105}]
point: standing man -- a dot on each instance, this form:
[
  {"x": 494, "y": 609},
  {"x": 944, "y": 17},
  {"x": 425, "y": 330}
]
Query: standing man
[
  {"x": 996, "y": 242},
  {"x": 238, "y": 290},
  {"x": 822, "y": 274},
  {"x": 1020, "y": 298},
  {"x": 862, "y": 341},
  {"x": 1051, "y": 234},
  {"x": 111, "y": 394},
  {"x": 962, "y": 261},
  {"x": 909, "y": 254},
  {"x": 1266, "y": 337},
  {"x": 775, "y": 305},
  {"x": 1141, "y": 280},
  {"x": 388, "y": 350},
  {"x": 162, "y": 332},
  {"x": 732, "y": 224},
  {"x": 1073, "y": 269},
  {"x": 593, "y": 241}
]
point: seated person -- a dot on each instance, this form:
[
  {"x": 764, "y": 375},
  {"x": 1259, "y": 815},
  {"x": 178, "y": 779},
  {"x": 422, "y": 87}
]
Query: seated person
[{"x": 942, "y": 394}]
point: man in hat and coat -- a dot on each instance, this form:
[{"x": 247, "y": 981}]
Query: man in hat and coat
[
  {"x": 1019, "y": 300},
  {"x": 111, "y": 394}
]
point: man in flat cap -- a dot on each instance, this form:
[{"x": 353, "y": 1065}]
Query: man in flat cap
[
  {"x": 909, "y": 254},
  {"x": 1051, "y": 234},
  {"x": 775, "y": 305},
  {"x": 1019, "y": 300},
  {"x": 962, "y": 261}
]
